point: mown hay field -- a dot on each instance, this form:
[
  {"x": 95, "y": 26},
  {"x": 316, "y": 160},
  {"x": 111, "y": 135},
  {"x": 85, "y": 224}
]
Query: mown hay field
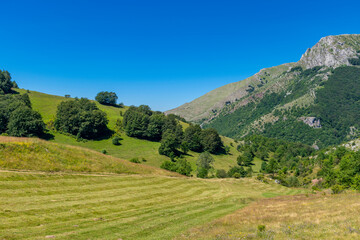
[{"x": 84, "y": 206}]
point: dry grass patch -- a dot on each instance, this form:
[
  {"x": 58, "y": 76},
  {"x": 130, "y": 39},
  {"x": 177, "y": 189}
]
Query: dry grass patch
[{"x": 289, "y": 217}]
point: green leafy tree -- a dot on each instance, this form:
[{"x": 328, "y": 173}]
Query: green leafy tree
[
  {"x": 169, "y": 144},
  {"x": 192, "y": 136},
  {"x": 155, "y": 127},
  {"x": 136, "y": 123},
  {"x": 5, "y": 82},
  {"x": 211, "y": 141},
  {"x": 17, "y": 118},
  {"x": 204, "y": 163},
  {"x": 24, "y": 122},
  {"x": 81, "y": 118},
  {"x": 106, "y": 98}
]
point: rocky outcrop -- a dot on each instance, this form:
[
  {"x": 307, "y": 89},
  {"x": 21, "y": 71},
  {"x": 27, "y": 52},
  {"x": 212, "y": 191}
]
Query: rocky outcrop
[
  {"x": 332, "y": 51},
  {"x": 311, "y": 121}
]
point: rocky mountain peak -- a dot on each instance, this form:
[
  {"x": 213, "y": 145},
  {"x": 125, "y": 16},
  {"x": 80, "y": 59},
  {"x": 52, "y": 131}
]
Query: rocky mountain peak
[{"x": 332, "y": 51}]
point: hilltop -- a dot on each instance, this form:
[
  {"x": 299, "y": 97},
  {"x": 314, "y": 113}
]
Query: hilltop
[
  {"x": 145, "y": 151},
  {"x": 289, "y": 97}
]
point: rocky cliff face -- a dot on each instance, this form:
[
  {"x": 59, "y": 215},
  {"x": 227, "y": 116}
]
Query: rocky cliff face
[{"x": 332, "y": 51}]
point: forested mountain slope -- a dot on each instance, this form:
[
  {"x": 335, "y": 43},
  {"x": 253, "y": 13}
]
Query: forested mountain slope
[{"x": 314, "y": 100}]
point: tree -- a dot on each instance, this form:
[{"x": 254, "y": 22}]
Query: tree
[
  {"x": 17, "y": 118},
  {"x": 248, "y": 158},
  {"x": 192, "y": 138},
  {"x": 211, "y": 141},
  {"x": 24, "y": 122},
  {"x": 81, "y": 118},
  {"x": 136, "y": 123},
  {"x": 204, "y": 163},
  {"x": 155, "y": 126},
  {"x": 272, "y": 166},
  {"x": 106, "y": 98},
  {"x": 169, "y": 144},
  {"x": 5, "y": 82}
]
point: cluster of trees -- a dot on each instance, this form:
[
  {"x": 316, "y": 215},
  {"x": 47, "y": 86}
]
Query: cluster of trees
[
  {"x": 5, "y": 82},
  {"x": 340, "y": 169},
  {"x": 81, "y": 118},
  {"x": 17, "y": 117},
  {"x": 141, "y": 122},
  {"x": 107, "y": 98}
]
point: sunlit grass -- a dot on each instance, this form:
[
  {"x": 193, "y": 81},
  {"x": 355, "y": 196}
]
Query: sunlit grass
[
  {"x": 289, "y": 217},
  {"x": 65, "y": 206}
]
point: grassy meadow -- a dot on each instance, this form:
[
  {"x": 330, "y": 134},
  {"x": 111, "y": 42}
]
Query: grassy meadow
[
  {"x": 39, "y": 155},
  {"x": 130, "y": 148},
  {"x": 79, "y": 206}
]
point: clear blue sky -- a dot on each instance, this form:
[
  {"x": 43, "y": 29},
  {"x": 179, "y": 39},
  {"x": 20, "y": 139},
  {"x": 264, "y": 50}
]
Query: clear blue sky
[{"x": 160, "y": 53}]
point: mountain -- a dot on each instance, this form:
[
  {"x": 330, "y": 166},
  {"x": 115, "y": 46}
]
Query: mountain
[{"x": 290, "y": 101}]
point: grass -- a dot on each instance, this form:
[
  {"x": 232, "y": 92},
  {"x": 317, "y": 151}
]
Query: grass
[
  {"x": 39, "y": 155},
  {"x": 130, "y": 147},
  {"x": 290, "y": 217},
  {"x": 73, "y": 206}
]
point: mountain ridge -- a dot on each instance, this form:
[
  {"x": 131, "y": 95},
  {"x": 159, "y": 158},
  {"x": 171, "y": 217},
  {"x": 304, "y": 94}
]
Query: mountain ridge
[
  {"x": 272, "y": 97},
  {"x": 202, "y": 108}
]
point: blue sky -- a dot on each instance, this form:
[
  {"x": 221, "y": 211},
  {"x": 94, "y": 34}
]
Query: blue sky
[{"x": 160, "y": 53}]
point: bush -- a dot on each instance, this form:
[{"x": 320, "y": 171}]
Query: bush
[
  {"x": 135, "y": 160},
  {"x": 181, "y": 166},
  {"x": 336, "y": 189},
  {"x": 236, "y": 175},
  {"x": 116, "y": 141},
  {"x": 103, "y": 151},
  {"x": 221, "y": 173},
  {"x": 261, "y": 228},
  {"x": 202, "y": 173}
]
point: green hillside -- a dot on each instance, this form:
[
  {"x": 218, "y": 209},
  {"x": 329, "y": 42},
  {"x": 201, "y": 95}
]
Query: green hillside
[
  {"x": 130, "y": 147},
  {"x": 39, "y": 155},
  {"x": 65, "y": 206}
]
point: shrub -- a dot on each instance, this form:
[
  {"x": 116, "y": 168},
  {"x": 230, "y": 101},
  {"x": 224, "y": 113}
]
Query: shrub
[
  {"x": 221, "y": 173},
  {"x": 116, "y": 141},
  {"x": 336, "y": 189},
  {"x": 181, "y": 166},
  {"x": 135, "y": 160},
  {"x": 261, "y": 228},
  {"x": 236, "y": 175},
  {"x": 103, "y": 151},
  {"x": 202, "y": 173}
]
